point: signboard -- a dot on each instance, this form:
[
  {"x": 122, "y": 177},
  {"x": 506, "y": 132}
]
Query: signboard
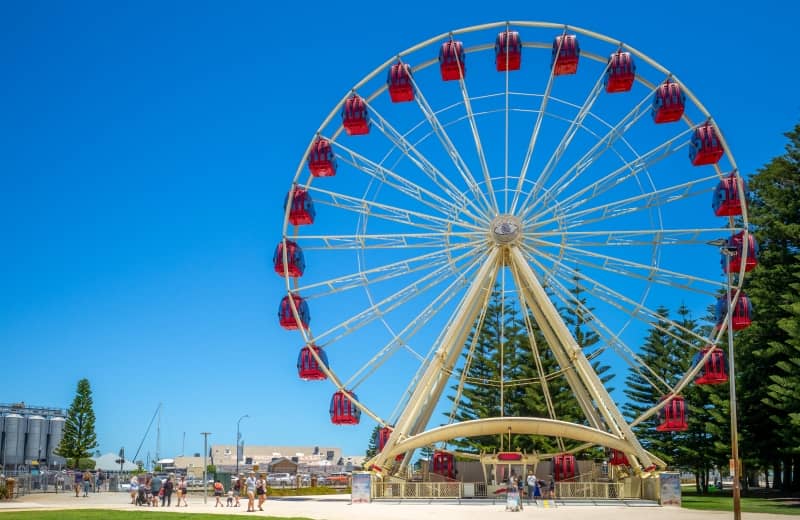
[
  {"x": 361, "y": 488},
  {"x": 670, "y": 489},
  {"x": 732, "y": 467}
]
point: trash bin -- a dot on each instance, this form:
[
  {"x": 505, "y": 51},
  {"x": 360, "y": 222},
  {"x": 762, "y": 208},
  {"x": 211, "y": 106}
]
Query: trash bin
[
  {"x": 113, "y": 484},
  {"x": 10, "y": 484},
  {"x": 313, "y": 481}
]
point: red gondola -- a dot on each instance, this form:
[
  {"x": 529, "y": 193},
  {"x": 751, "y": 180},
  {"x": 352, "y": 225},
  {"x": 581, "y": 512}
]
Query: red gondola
[
  {"x": 715, "y": 369},
  {"x": 355, "y": 116},
  {"x": 705, "y": 146},
  {"x": 563, "y": 467},
  {"x": 669, "y": 102},
  {"x": 302, "y": 211},
  {"x": 321, "y": 160},
  {"x": 733, "y": 263},
  {"x": 401, "y": 88},
  {"x": 343, "y": 411},
  {"x": 566, "y": 53},
  {"x": 620, "y": 73},
  {"x": 673, "y": 416},
  {"x": 618, "y": 458},
  {"x": 451, "y": 61},
  {"x": 742, "y": 311},
  {"x": 294, "y": 256},
  {"x": 383, "y": 437},
  {"x": 726, "y": 201},
  {"x": 507, "y": 51},
  {"x": 444, "y": 464},
  {"x": 286, "y": 316},
  {"x": 307, "y": 367}
]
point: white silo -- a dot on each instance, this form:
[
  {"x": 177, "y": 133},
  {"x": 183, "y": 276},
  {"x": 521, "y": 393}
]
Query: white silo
[
  {"x": 33, "y": 441},
  {"x": 54, "y": 439},
  {"x": 14, "y": 443}
]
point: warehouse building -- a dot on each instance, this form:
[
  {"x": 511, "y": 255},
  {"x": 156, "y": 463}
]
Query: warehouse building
[{"x": 29, "y": 436}]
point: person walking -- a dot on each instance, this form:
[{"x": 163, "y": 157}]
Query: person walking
[
  {"x": 250, "y": 484},
  {"x": 87, "y": 482},
  {"x": 183, "y": 490},
  {"x": 78, "y": 482},
  {"x": 169, "y": 487},
  {"x": 237, "y": 488},
  {"x": 219, "y": 490},
  {"x": 261, "y": 491},
  {"x": 155, "y": 489},
  {"x": 531, "y": 481}
]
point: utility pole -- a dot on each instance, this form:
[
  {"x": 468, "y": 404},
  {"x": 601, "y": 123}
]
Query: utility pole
[{"x": 205, "y": 465}]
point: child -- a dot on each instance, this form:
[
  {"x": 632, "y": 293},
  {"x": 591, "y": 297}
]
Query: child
[
  {"x": 218, "y": 492},
  {"x": 230, "y": 498}
]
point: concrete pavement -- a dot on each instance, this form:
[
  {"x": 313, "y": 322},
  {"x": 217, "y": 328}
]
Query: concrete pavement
[{"x": 338, "y": 507}]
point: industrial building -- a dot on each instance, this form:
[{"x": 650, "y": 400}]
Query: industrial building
[{"x": 29, "y": 436}]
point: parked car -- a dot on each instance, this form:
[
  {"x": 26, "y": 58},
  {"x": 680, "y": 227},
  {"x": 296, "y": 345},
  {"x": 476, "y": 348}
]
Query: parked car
[
  {"x": 338, "y": 479},
  {"x": 280, "y": 479}
]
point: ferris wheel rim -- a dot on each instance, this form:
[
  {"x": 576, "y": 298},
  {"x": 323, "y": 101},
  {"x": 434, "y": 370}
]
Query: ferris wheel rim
[{"x": 292, "y": 284}]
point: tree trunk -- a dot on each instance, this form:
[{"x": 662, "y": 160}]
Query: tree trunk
[
  {"x": 777, "y": 483},
  {"x": 787, "y": 473}
]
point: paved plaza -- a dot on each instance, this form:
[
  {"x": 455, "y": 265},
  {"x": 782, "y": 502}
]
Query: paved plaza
[{"x": 338, "y": 507}]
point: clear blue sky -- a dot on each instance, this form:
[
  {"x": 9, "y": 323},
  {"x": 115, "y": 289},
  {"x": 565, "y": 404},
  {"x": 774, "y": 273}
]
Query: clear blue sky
[{"x": 145, "y": 150}]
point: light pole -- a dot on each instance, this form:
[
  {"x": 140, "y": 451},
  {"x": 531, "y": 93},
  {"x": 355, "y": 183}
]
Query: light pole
[
  {"x": 205, "y": 465},
  {"x": 238, "y": 436},
  {"x": 728, "y": 251}
]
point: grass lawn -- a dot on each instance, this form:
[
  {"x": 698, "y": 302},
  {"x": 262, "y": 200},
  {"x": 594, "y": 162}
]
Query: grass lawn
[
  {"x": 103, "y": 514},
  {"x": 724, "y": 502}
]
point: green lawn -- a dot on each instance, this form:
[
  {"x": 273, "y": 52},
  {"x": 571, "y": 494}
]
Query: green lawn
[
  {"x": 102, "y": 514},
  {"x": 715, "y": 502}
]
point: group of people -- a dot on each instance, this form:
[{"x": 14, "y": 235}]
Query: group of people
[
  {"x": 151, "y": 489},
  {"x": 252, "y": 487},
  {"x": 537, "y": 488}
]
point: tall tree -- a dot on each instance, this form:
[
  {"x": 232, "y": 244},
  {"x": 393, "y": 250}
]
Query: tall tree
[
  {"x": 372, "y": 448},
  {"x": 763, "y": 350},
  {"x": 79, "y": 436}
]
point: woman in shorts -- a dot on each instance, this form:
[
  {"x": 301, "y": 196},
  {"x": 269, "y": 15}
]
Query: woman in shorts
[
  {"x": 261, "y": 491},
  {"x": 250, "y": 484}
]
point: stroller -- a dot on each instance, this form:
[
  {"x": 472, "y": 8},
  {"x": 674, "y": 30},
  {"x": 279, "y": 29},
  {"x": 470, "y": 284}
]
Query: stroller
[{"x": 143, "y": 497}]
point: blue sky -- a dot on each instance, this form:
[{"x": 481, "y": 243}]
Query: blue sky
[{"x": 145, "y": 150}]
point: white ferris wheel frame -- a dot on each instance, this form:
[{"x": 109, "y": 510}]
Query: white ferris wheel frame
[{"x": 478, "y": 201}]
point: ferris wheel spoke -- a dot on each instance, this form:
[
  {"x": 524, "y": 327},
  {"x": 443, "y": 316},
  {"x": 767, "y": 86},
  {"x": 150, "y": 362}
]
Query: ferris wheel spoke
[
  {"x": 423, "y": 163},
  {"x": 413, "y": 327},
  {"x": 534, "y": 137},
  {"x": 627, "y": 354},
  {"x": 635, "y": 310},
  {"x": 399, "y": 183},
  {"x": 382, "y": 273},
  {"x": 639, "y": 237},
  {"x": 389, "y": 212},
  {"x": 627, "y": 171},
  {"x": 377, "y": 310},
  {"x": 390, "y": 241},
  {"x": 450, "y": 148},
  {"x": 478, "y": 146},
  {"x": 586, "y": 160},
  {"x": 573, "y": 216},
  {"x": 575, "y": 125},
  {"x": 631, "y": 269}
]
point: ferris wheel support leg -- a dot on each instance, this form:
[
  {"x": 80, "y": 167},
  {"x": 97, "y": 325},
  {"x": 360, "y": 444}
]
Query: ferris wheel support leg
[
  {"x": 548, "y": 318},
  {"x": 433, "y": 381}
]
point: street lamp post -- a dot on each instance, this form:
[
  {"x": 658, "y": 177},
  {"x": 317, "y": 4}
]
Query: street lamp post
[
  {"x": 238, "y": 437},
  {"x": 729, "y": 251},
  {"x": 205, "y": 465}
]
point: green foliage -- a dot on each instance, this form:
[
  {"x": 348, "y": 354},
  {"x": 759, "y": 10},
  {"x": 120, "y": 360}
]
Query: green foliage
[
  {"x": 372, "y": 448},
  {"x": 211, "y": 469},
  {"x": 79, "y": 436}
]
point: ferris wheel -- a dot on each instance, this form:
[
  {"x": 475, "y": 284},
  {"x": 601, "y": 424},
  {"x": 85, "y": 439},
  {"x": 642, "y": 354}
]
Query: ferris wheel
[{"x": 519, "y": 159}]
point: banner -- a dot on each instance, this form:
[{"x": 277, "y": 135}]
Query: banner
[
  {"x": 361, "y": 487},
  {"x": 670, "y": 489}
]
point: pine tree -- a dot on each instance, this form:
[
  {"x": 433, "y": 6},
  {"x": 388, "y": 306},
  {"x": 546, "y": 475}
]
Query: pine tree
[
  {"x": 763, "y": 350},
  {"x": 372, "y": 448},
  {"x": 79, "y": 435}
]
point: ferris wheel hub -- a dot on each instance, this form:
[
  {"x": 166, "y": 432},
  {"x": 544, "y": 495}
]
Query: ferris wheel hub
[{"x": 506, "y": 229}]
